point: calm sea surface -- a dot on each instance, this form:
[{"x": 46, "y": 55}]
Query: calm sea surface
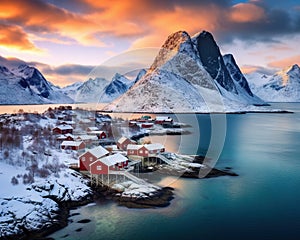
[{"x": 263, "y": 202}]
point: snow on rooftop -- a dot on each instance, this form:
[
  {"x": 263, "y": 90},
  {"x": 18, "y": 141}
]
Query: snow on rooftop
[
  {"x": 112, "y": 159},
  {"x": 92, "y": 129},
  {"x": 154, "y": 146},
  {"x": 86, "y": 137},
  {"x": 122, "y": 139},
  {"x": 98, "y": 152},
  {"x": 133, "y": 147},
  {"x": 163, "y": 118},
  {"x": 64, "y": 127},
  {"x": 71, "y": 143}
]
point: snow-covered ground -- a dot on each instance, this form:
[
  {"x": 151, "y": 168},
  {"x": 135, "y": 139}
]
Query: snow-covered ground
[{"x": 35, "y": 206}]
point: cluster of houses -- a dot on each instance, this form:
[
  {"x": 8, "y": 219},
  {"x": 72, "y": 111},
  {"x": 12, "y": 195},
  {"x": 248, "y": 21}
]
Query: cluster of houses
[
  {"x": 77, "y": 142},
  {"x": 100, "y": 161},
  {"x": 147, "y": 121}
]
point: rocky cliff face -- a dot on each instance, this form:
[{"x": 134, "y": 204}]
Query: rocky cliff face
[{"x": 212, "y": 60}]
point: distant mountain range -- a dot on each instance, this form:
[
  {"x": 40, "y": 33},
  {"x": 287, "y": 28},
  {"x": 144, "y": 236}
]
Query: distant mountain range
[
  {"x": 284, "y": 86},
  {"x": 189, "y": 74}
]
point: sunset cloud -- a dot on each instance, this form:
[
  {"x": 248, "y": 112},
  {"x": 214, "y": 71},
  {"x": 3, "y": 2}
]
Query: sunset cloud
[
  {"x": 14, "y": 37},
  {"x": 246, "y": 12},
  {"x": 285, "y": 62},
  {"x": 86, "y": 32}
]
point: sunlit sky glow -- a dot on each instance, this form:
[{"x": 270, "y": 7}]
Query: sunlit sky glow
[{"x": 66, "y": 39}]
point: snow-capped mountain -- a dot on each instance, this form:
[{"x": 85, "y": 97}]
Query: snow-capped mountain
[
  {"x": 118, "y": 86},
  {"x": 71, "y": 90},
  {"x": 284, "y": 86},
  {"x": 189, "y": 75},
  {"x": 101, "y": 90},
  {"x": 26, "y": 85},
  {"x": 91, "y": 90}
]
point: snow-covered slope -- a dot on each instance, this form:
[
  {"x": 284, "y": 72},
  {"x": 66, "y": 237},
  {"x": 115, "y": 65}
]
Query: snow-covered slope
[
  {"x": 118, "y": 86},
  {"x": 284, "y": 86},
  {"x": 26, "y": 85},
  {"x": 188, "y": 75},
  {"x": 101, "y": 90},
  {"x": 71, "y": 90},
  {"x": 91, "y": 90}
]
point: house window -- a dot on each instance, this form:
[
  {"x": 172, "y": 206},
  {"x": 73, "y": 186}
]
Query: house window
[
  {"x": 132, "y": 151},
  {"x": 91, "y": 159},
  {"x": 83, "y": 159},
  {"x": 99, "y": 168},
  {"x": 141, "y": 151},
  {"x": 146, "y": 151}
]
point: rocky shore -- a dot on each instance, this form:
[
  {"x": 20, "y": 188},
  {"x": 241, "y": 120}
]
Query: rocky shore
[{"x": 160, "y": 197}]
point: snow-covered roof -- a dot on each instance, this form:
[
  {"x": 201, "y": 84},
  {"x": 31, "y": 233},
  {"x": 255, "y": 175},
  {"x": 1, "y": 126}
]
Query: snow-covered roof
[
  {"x": 96, "y": 132},
  {"x": 163, "y": 118},
  {"x": 112, "y": 159},
  {"x": 154, "y": 146},
  {"x": 98, "y": 152},
  {"x": 122, "y": 139},
  {"x": 64, "y": 127},
  {"x": 133, "y": 147},
  {"x": 71, "y": 143},
  {"x": 69, "y": 135},
  {"x": 86, "y": 137},
  {"x": 92, "y": 129},
  {"x": 67, "y": 122}
]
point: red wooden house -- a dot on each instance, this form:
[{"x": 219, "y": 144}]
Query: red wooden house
[
  {"x": 99, "y": 134},
  {"x": 91, "y": 156},
  {"x": 154, "y": 149},
  {"x": 123, "y": 142},
  {"x": 104, "y": 165},
  {"x": 72, "y": 145},
  {"x": 63, "y": 129},
  {"x": 147, "y": 150}
]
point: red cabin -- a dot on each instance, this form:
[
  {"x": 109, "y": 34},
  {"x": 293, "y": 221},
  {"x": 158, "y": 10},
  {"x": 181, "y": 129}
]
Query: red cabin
[
  {"x": 63, "y": 129},
  {"x": 91, "y": 156},
  {"x": 72, "y": 145},
  {"x": 110, "y": 163},
  {"x": 123, "y": 142}
]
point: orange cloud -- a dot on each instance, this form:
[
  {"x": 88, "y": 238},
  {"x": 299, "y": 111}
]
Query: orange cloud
[
  {"x": 286, "y": 62},
  {"x": 164, "y": 23},
  {"x": 42, "y": 18},
  {"x": 246, "y": 12},
  {"x": 14, "y": 37},
  {"x": 249, "y": 69}
]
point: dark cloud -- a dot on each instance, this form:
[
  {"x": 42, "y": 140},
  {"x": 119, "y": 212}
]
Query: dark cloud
[
  {"x": 64, "y": 70},
  {"x": 275, "y": 23}
]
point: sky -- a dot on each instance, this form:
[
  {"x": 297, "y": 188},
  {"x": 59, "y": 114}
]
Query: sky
[{"x": 66, "y": 39}]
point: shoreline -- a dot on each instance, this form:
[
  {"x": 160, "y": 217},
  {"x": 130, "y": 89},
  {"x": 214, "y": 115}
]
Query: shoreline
[{"x": 162, "y": 198}]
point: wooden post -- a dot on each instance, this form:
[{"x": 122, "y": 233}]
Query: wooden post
[
  {"x": 102, "y": 180},
  {"x": 108, "y": 177}
]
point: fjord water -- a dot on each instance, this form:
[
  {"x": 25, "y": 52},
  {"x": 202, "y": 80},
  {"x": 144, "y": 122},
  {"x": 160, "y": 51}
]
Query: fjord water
[{"x": 261, "y": 203}]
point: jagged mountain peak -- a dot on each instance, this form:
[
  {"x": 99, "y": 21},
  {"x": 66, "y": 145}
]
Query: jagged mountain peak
[
  {"x": 212, "y": 60},
  {"x": 177, "y": 42},
  {"x": 294, "y": 69},
  {"x": 188, "y": 75}
]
